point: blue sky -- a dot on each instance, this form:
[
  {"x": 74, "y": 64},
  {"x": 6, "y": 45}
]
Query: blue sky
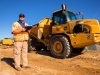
[{"x": 35, "y": 10}]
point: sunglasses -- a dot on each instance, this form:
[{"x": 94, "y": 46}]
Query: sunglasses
[{"x": 21, "y": 17}]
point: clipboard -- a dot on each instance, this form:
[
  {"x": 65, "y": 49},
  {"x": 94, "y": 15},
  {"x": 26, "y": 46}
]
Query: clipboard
[{"x": 28, "y": 27}]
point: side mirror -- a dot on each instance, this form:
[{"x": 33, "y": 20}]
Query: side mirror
[
  {"x": 80, "y": 13},
  {"x": 77, "y": 14}
]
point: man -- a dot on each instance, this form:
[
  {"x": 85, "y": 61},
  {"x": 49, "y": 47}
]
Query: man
[{"x": 20, "y": 42}]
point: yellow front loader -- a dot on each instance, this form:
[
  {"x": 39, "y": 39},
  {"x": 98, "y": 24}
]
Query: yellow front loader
[
  {"x": 64, "y": 33},
  {"x": 7, "y": 41}
]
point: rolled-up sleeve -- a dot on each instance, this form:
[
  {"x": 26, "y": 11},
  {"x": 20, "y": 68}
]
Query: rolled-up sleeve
[{"x": 14, "y": 27}]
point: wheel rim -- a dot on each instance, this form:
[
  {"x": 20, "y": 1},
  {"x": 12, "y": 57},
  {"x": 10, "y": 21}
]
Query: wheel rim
[{"x": 58, "y": 47}]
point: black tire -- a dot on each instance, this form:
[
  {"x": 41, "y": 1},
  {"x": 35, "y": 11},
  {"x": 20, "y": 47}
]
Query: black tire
[
  {"x": 66, "y": 50},
  {"x": 78, "y": 50}
]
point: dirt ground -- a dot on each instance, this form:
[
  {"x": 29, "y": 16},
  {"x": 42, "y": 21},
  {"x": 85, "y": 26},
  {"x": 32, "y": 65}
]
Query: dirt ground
[{"x": 42, "y": 63}]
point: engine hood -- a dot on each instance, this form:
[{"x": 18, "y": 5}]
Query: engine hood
[
  {"x": 91, "y": 24},
  {"x": 85, "y": 21},
  {"x": 88, "y": 21}
]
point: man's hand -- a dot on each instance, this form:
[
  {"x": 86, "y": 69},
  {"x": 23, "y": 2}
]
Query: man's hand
[
  {"x": 19, "y": 30},
  {"x": 28, "y": 31},
  {"x": 23, "y": 29}
]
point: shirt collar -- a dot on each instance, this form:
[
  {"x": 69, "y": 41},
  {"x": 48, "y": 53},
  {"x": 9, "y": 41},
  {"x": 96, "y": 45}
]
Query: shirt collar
[{"x": 21, "y": 22}]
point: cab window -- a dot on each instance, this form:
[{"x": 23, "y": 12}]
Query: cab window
[{"x": 59, "y": 18}]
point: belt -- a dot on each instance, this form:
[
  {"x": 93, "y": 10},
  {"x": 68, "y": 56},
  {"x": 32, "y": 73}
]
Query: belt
[{"x": 20, "y": 40}]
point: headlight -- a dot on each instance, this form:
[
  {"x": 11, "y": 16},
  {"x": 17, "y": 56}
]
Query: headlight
[{"x": 65, "y": 28}]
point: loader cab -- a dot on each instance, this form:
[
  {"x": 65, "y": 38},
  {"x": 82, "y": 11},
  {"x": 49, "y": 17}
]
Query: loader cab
[{"x": 60, "y": 18}]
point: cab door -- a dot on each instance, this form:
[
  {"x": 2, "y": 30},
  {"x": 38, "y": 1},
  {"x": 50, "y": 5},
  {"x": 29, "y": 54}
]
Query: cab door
[{"x": 59, "y": 23}]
